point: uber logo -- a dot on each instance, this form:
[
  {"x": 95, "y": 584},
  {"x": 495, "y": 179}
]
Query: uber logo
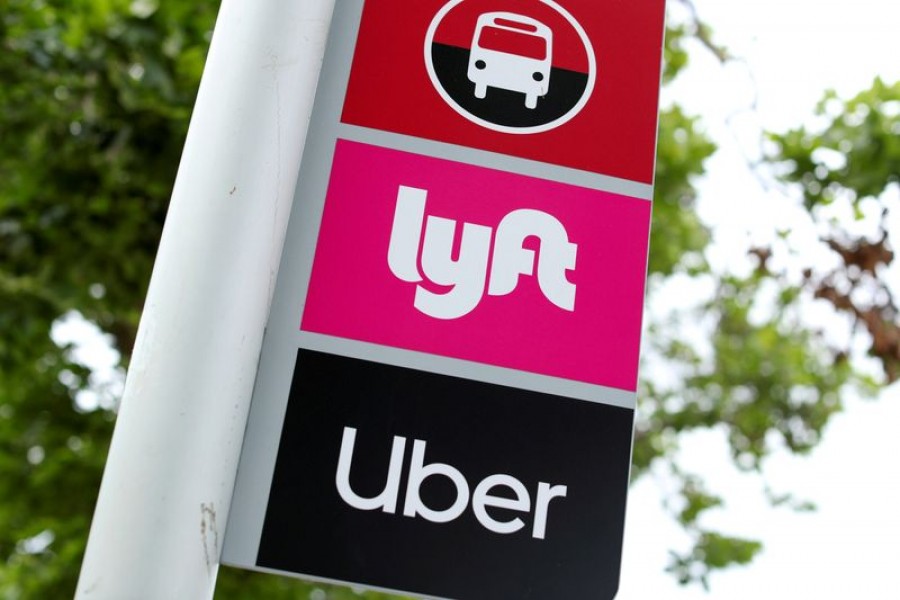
[
  {"x": 419, "y": 472},
  {"x": 445, "y": 487},
  {"x": 466, "y": 274}
]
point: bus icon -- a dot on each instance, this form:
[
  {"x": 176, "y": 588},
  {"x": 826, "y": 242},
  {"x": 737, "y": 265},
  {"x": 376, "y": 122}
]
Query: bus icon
[{"x": 511, "y": 52}]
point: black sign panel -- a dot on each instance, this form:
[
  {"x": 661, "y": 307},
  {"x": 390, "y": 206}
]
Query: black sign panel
[{"x": 402, "y": 479}]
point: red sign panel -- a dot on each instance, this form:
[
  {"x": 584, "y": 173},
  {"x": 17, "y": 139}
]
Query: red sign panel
[{"x": 575, "y": 86}]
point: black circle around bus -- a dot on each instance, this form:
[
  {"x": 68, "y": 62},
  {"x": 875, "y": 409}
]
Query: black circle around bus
[{"x": 517, "y": 98}]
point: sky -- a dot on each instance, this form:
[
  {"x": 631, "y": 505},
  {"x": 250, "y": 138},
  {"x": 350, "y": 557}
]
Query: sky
[{"x": 850, "y": 547}]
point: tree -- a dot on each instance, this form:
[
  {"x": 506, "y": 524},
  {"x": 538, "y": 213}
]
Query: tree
[{"x": 94, "y": 107}]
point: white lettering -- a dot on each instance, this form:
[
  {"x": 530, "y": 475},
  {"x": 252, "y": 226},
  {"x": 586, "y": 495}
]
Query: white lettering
[
  {"x": 387, "y": 499},
  {"x": 511, "y": 258},
  {"x": 414, "y": 506},
  {"x": 406, "y": 232},
  {"x": 545, "y": 494},
  {"x": 418, "y": 472},
  {"x": 466, "y": 277},
  {"x": 481, "y": 499}
]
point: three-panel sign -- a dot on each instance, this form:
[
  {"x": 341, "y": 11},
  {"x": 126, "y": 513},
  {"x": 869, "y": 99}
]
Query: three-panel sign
[{"x": 445, "y": 399}]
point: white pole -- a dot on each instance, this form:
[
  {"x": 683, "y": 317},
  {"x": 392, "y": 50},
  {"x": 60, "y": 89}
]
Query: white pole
[{"x": 160, "y": 517}]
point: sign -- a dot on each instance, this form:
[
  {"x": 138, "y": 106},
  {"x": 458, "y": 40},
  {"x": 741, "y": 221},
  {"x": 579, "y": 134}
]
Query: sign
[
  {"x": 484, "y": 492},
  {"x": 445, "y": 399},
  {"x": 613, "y": 132},
  {"x": 546, "y": 276}
]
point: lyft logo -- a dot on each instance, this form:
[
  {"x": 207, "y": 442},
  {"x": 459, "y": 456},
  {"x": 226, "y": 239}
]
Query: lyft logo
[
  {"x": 446, "y": 258},
  {"x": 415, "y": 256}
]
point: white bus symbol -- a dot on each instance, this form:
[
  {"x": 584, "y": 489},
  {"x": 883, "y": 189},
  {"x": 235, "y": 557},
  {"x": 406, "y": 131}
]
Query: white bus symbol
[{"x": 511, "y": 52}]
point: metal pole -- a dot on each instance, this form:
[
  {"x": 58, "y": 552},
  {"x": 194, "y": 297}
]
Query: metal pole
[{"x": 159, "y": 521}]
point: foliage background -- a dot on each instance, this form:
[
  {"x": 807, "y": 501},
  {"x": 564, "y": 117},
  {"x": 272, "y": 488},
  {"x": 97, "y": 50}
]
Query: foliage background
[{"x": 95, "y": 97}]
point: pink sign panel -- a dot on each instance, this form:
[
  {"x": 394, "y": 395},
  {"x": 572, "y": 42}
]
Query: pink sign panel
[{"x": 483, "y": 265}]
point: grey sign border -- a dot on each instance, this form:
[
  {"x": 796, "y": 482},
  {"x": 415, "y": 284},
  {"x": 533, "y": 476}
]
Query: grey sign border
[{"x": 493, "y": 160}]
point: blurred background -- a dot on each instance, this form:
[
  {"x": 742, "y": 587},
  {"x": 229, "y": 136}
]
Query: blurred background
[{"x": 766, "y": 433}]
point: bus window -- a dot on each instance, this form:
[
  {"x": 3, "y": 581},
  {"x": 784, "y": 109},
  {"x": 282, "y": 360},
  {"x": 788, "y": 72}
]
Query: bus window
[{"x": 513, "y": 42}]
